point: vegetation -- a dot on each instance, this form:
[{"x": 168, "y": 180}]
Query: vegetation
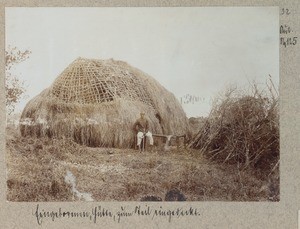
[
  {"x": 14, "y": 87},
  {"x": 242, "y": 129},
  {"x": 233, "y": 156},
  {"x": 37, "y": 168}
]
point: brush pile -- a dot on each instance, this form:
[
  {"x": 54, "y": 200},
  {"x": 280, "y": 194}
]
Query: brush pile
[{"x": 242, "y": 129}]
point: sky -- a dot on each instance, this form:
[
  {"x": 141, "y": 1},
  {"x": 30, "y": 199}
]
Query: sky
[{"x": 192, "y": 51}]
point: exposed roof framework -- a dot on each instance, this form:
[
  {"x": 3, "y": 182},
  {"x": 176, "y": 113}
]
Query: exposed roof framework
[{"x": 89, "y": 81}]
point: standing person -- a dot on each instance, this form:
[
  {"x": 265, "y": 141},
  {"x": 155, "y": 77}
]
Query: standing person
[{"x": 142, "y": 127}]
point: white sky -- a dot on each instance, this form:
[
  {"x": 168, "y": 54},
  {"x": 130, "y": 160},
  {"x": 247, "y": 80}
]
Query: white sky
[{"x": 196, "y": 51}]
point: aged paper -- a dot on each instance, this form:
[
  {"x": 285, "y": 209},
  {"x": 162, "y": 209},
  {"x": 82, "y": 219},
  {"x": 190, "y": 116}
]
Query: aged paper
[{"x": 199, "y": 214}]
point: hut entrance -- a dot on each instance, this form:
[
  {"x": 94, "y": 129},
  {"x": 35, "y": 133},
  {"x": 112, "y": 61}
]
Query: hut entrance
[{"x": 157, "y": 115}]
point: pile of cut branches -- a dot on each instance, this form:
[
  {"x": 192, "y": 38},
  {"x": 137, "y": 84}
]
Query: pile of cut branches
[{"x": 242, "y": 128}]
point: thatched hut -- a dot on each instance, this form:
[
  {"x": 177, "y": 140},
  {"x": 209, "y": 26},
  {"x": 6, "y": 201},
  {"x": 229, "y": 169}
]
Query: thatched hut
[{"x": 96, "y": 102}]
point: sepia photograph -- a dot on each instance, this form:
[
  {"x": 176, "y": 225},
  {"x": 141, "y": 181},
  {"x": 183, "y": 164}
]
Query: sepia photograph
[{"x": 142, "y": 104}]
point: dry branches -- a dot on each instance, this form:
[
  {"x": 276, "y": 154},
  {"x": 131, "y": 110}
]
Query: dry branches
[{"x": 242, "y": 128}]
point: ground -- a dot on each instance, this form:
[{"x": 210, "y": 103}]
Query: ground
[{"x": 43, "y": 169}]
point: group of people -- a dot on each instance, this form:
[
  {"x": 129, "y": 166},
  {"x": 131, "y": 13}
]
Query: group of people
[{"x": 142, "y": 127}]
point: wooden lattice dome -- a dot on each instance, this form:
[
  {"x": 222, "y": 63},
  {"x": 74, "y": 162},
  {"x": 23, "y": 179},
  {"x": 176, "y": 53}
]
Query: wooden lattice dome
[{"x": 89, "y": 81}]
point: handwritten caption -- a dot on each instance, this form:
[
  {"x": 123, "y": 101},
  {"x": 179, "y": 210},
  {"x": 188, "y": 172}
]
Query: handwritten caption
[
  {"x": 287, "y": 34},
  {"x": 191, "y": 99},
  {"x": 96, "y": 213}
]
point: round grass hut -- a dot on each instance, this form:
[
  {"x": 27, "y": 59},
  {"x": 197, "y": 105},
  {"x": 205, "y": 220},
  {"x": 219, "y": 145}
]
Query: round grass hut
[{"x": 96, "y": 102}]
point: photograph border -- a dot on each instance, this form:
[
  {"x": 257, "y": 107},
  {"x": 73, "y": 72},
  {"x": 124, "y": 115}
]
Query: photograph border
[{"x": 212, "y": 214}]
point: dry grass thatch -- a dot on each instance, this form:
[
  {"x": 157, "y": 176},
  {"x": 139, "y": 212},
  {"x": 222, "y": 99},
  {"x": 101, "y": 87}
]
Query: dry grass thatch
[
  {"x": 96, "y": 102},
  {"x": 242, "y": 128}
]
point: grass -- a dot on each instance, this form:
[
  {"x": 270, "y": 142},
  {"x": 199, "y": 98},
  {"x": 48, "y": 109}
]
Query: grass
[{"x": 36, "y": 169}]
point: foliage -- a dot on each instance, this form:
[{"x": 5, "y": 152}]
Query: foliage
[{"x": 14, "y": 87}]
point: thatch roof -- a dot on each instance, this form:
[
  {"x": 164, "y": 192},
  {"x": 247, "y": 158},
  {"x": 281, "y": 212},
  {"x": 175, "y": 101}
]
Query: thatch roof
[{"x": 96, "y": 102}]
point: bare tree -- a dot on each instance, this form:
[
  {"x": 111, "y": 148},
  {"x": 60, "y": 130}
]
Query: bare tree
[{"x": 14, "y": 87}]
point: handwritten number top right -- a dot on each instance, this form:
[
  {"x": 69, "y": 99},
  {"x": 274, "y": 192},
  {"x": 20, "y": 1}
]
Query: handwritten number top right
[{"x": 285, "y": 11}]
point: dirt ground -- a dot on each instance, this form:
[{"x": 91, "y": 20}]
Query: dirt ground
[{"x": 37, "y": 170}]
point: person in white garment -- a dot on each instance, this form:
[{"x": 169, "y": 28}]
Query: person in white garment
[{"x": 142, "y": 127}]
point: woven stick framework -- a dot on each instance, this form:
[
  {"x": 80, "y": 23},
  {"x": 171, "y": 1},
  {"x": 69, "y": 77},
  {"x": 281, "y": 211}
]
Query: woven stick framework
[{"x": 89, "y": 81}]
